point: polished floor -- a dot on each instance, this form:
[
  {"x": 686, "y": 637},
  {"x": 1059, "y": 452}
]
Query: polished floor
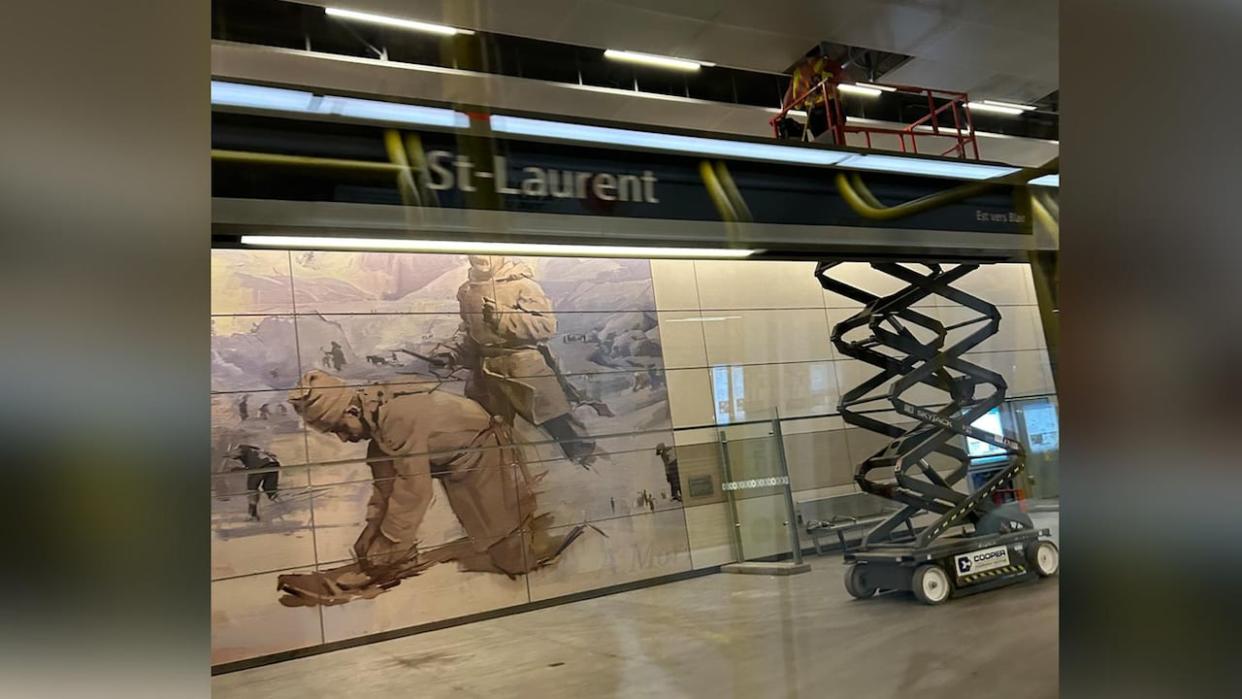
[{"x": 715, "y": 636}]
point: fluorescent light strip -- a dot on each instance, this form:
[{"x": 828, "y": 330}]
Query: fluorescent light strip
[
  {"x": 985, "y": 107},
  {"x": 1010, "y": 105},
  {"x": 654, "y": 60},
  {"x": 462, "y": 246},
  {"x": 522, "y": 126},
  {"x": 1047, "y": 181},
  {"x": 279, "y": 99},
  {"x": 792, "y": 112},
  {"x": 859, "y": 90},
  {"x": 429, "y": 27},
  {"x": 873, "y": 86},
  {"x": 931, "y": 168}
]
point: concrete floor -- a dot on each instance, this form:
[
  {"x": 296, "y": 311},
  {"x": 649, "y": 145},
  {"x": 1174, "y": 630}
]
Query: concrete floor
[{"x": 715, "y": 636}]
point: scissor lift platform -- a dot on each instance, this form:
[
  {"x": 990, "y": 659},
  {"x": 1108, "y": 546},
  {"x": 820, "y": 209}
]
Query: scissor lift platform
[{"x": 973, "y": 543}]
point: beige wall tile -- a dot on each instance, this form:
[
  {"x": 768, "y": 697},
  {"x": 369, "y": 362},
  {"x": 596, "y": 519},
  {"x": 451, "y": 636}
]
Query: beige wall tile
[
  {"x": 1019, "y": 328},
  {"x": 1001, "y": 284},
  {"x": 1026, "y": 371},
  {"x": 675, "y": 287},
  {"x": 852, "y": 372},
  {"x": 690, "y": 397},
  {"x": 760, "y": 337},
  {"x": 758, "y": 392},
  {"x": 751, "y": 284},
  {"x": 681, "y": 339},
  {"x": 865, "y": 277}
]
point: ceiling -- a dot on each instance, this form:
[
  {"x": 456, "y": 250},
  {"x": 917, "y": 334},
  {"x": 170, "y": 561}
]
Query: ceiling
[{"x": 998, "y": 49}]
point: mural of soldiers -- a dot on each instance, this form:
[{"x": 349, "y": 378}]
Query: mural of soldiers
[
  {"x": 243, "y": 407},
  {"x": 334, "y": 357},
  {"x": 263, "y": 474},
  {"x": 671, "y": 473},
  {"x": 507, "y": 320},
  {"x": 415, "y": 434}
]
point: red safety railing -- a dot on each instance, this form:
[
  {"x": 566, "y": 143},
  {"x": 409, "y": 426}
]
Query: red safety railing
[{"x": 939, "y": 102}]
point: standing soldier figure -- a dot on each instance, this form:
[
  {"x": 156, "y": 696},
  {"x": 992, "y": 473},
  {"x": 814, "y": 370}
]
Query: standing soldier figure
[
  {"x": 671, "y": 473},
  {"x": 506, "y": 322}
]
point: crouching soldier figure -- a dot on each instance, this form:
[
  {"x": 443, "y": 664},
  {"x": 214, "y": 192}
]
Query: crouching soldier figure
[{"x": 415, "y": 434}]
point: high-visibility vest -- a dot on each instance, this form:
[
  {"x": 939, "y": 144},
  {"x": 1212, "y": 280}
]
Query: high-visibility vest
[{"x": 809, "y": 73}]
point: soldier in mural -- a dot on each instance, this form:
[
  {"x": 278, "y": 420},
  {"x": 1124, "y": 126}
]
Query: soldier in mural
[
  {"x": 507, "y": 320},
  {"x": 334, "y": 357},
  {"x": 262, "y": 474},
  {"x": 415, "y": 434},
  {"x": 671, "y": 473}
]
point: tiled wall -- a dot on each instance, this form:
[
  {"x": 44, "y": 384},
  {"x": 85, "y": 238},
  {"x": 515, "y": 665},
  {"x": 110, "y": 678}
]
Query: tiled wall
[
  {"x": 739, "y": 342},
  {"x": 752, "y": 340}
]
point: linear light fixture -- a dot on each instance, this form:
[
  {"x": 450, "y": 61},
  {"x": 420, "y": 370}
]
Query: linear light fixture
[
  {"x": 985, "y": 107},
  {"x": 428, "y": 27},
  {"x": 855, "y": 89},
  {"x": 873, "y": 86},
  {"x": 792, "y": 112},
  {"x": 466, "y": 246},
  {"x": 695, "y": 145},
  {"x": 302, "y": 102},
  {"x": 1053, "y": 180},
  {"x": 653, "y": 60},
  {"x": 931, "y": 168},
  {"x": 1010, "y": 105}
]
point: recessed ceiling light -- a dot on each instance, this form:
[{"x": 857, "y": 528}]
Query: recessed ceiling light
[
  {"x": 429, "y": 27},
  {"x": 654, "y": 60},
  {"x": 1010, "y": 105},
  {"x": 985, "y": 107},
  {"x": 859, "y": 90},
  {"x": 873, "y": 86}
]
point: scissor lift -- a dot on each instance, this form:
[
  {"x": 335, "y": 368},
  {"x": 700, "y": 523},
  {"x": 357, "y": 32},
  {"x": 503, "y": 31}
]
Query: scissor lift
[{"x": 970, "y": 544}]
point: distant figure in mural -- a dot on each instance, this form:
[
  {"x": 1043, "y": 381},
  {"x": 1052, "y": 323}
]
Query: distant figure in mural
[
  {"x": 263, "y": 474},
  {"x": 243, "y": 407},
  {"x": 473, "y": 455},
  {"x": 265, "y": 411},
  {"x": 282, "y": 408},
  {"x": 507, "y": 321},
  {"x": 612, "y": 502},
  {"x": 671, "y": 473},
  {"x": 334, "y": 358},
  {"x": 376, "y": 360}
]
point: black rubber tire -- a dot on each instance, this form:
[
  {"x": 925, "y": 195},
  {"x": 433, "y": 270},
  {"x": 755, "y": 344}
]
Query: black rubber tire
[
  {"x": 1032, "y": 558},
  {"x": 856, "y": 582},
  {"x": 931, "y": 585}
]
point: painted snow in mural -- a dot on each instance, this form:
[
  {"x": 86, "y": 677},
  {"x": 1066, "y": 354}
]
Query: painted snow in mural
[{"x": 378, "y": 418}]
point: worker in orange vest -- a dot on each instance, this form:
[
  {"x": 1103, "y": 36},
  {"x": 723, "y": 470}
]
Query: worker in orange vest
[{"x": 808, "y": 74}]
